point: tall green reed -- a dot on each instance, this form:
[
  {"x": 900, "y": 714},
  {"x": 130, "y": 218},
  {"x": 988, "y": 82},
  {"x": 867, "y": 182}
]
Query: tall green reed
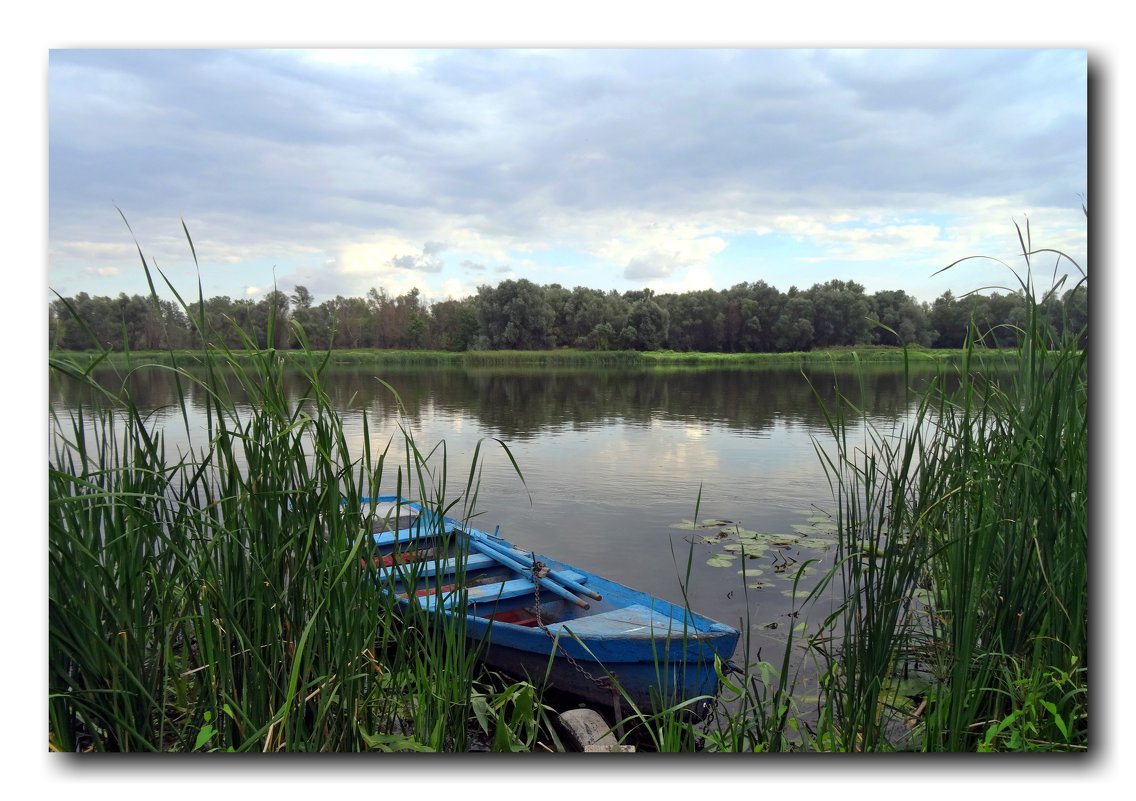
[
  {"x": 963, "y": 554},
  {"x": 214, "y": 598}
]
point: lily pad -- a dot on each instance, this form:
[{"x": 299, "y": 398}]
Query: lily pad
[
  {"x": 819, "y": 543},
  {"x": 690, "y": 525},
  {"x": 750, "y": 549},
  {"x": 762, "y": 536},
  {"x": 791, "y": 574},
  {"x": 751, "y": 572},
  {"x": 721, "y": 560}
]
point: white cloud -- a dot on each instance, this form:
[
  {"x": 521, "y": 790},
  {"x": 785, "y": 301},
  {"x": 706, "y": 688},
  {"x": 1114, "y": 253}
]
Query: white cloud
[
  {"x": 371, "y": 257},
  {"x": 688, "y": 280},
  {"x": 453, "y": 289},
  {"x": 657, "y": 253},
  {"x": 389, "y": 262},
  {"x": 875, "y": 243}
]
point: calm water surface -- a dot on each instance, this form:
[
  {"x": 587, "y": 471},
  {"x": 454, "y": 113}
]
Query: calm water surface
[{"x": 614, "y": 462}]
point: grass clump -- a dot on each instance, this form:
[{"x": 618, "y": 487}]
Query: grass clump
[
  {"x": 214, "y": 599},
  {"x": 862, "y": 356}
]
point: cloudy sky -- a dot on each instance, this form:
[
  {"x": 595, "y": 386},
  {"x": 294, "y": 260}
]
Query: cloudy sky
[{"x": 677, "y": 169}]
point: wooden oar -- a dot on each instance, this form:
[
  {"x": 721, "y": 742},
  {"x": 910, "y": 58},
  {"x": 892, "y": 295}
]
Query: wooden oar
[
  {"x": 513, "y": 564},
  {"x": 553, "y": 574}
]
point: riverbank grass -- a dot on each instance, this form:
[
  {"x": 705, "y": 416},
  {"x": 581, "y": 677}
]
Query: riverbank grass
[
  {"x": 564, "y": 358},
  {"x": 963, "y": 560}
]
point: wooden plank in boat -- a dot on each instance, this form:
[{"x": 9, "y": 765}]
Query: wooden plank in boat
[
  {"x": 498, "y": 590},
  {"x": 401, "y": 536},
  {"x": 431, "y": 567}
]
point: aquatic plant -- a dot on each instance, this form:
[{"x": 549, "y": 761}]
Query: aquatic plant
[
  {"x": 963, "y": 553},
  {"x": 214, "y": 598}
]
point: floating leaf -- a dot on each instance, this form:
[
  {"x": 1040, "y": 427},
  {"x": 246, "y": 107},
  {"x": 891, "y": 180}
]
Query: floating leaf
[
  {"x": 791, "y": 575},
  {"x": 690, "y": 525},
  {"x": 817, "y": 543},
  {"x": 826, "y": 527},
  {"x": 750, "y": 549},
  {"x": 797, "y": 595},
  {"x": 757, "y": 536},
  {"x": 785, "y": 541},
  {"x": 750, "y": 572},
  {"x": 803, "y": 529},
  {"x": 721, "y": 560}
]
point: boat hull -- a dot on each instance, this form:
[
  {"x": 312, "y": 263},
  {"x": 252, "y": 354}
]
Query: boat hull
[{"x": 655, "y": 653}]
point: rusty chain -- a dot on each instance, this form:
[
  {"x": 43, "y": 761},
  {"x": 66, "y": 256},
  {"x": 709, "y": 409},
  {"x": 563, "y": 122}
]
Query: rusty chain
[{"x": 540, "y": 569}]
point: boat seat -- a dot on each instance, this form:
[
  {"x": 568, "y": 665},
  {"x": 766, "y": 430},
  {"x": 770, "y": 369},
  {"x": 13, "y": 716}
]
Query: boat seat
[
  {"x": 432, "y": 567},
  {"x": 635, "y": 622},
  {"x": 497, "y": 591},
  {"x": 401, "y": 536}
]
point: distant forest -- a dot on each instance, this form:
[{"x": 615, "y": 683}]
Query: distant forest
[{"x": 521, "y": 315}]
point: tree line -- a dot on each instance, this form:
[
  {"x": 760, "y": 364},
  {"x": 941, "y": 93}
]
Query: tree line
[{"x": 522, "y": 315}]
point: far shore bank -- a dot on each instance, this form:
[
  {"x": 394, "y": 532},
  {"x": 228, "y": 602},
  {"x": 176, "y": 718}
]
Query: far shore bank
[{"x": 850, "y": 357}]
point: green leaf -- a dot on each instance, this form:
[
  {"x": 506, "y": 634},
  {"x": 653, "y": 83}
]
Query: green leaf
[
  {"x": 204, "y": 736},
  {"x": 911, "y": 687},
  {"x": 481, "y": 711},
  {"x": 745, "y": 549},
  {"x": 394, "y": 742}
]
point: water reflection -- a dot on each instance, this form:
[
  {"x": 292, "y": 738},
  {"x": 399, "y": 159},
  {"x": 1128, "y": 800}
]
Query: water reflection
[
  {"x": 522, "y": 404},
  {"x": 612, "y": 460}
]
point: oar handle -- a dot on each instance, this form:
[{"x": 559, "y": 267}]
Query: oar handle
[
  {"x": 513, "y": 564},
  {"x": 526, "y": 560}
]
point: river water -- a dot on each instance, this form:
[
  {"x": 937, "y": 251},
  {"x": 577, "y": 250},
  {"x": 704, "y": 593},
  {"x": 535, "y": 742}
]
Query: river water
[{"x": 614, "y": 462}]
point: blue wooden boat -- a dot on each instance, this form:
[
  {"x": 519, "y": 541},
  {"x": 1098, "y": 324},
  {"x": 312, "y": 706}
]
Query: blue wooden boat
[{"x": 558, "y": 625}]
